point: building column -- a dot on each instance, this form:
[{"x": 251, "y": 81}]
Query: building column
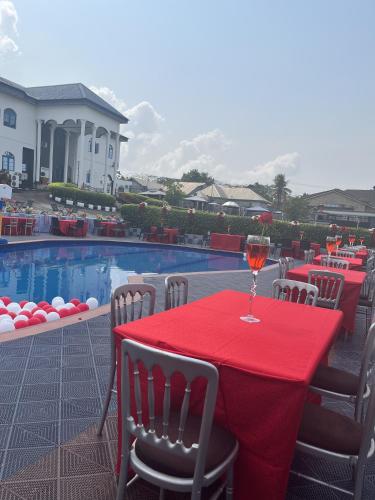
[
  {"x": 107, "y": 142},
  {"x": 81, "y": 152},
  {"x": 38, "y": 150},
  {"x": 117, "y": 157},
  {"x": 66, "y": 158},
  {"x": 51, "y": 144},
  {"x": 93, "y": 141}
]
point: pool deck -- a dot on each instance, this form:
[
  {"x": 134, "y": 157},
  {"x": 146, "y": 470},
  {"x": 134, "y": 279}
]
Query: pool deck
[{"x": 52, "y": 386}]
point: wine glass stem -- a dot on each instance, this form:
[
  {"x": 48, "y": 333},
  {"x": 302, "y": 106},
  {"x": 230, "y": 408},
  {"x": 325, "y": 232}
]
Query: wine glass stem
[{"x": 253, "y": 292}]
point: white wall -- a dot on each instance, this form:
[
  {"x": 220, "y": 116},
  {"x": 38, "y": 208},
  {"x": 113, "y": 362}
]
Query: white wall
[{"x": 24, "y": 135}]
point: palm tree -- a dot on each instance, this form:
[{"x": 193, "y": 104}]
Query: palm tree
[{"x": 280, "y": 191}]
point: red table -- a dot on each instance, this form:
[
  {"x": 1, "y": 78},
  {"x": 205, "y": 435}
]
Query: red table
[
  {"x": 264, "y": 369},
  {"x": 354, "y": 264},
  {"x": 171, "y": 234},
  {"x": 230, "y": 242},
  {"x": 65, "y": 225},
  {"x": 298, "y": 253},
  {"x": 360, "y": 254},
  {"x": 351, "y": 291},
  {"x": 21, "y": 221},
  {"x": 107, "y": 228}
]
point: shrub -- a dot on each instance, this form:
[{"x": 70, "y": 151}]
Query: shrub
[
  {"x": 135, "y": 198},
  {"x": 202, "y": 222},
  {"x": 71, "y": 192}
]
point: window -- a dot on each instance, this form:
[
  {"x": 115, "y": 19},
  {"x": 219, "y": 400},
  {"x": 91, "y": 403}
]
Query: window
[
  {"x": 110, "y": 152},
  {"x": 8, "y": 162},
  {"x": 10, "y": 118},
  {"x": 96, "y": 148},
  {"x": 90, "y": 145},
  {"x": 88, "y": 177}
]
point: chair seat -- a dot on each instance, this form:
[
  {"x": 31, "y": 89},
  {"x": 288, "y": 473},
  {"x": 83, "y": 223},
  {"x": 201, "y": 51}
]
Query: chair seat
[
  {"x": 329, "y": 430},
  {"x": 335, "y": 380},
  {"x": 364, "y": 302},
  {"x": 221, "y": 444}
]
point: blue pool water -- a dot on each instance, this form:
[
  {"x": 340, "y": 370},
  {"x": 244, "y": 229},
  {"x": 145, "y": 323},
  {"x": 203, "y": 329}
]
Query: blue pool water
[{"x": 41, "y": 271}]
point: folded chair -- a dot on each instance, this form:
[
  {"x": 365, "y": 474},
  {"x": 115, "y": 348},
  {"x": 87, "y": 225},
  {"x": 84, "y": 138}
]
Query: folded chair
[{"x": 173, "y": 449}]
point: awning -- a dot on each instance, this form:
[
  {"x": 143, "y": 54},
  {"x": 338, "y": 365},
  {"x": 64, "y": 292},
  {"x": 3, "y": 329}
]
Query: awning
[
  {"x": 257, "y": 209},
  {"x": 232, "y": 204},
  {"x": 347, "y": 214},
  {"x": 153, "y": 193},
  {"x": 196, "y": 198}
]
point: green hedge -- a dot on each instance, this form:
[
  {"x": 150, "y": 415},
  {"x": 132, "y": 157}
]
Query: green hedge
[
  {"x": 135, "y": 198},
  {"x": 71, "y": 192},
  {"x": 202, "y": 222}
]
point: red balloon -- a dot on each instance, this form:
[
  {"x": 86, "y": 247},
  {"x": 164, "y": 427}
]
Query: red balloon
[
  {"x": 34, "y": 321},
  {"x": 21, "y": 323},
  {"x": 48, "y": 306},
  {"x": 35, "y": 309},
  {"x": 43, "y": 303},
  {"x": 74, "y": 310},
  {"x": 83, "y": 307},
  {"x": 41, "y": 317},
  {"x": 12, "y": 314},
  {"x": 23, "y": 302},
  {"x": 26, "y": 313},
  {"x": 63, "y": 312},
  {"x": 75, "y": 301},
  {"x": 6, "y": 300},
  {"x": 52, "y": 309},
  {"x": 3, "y": 310}
]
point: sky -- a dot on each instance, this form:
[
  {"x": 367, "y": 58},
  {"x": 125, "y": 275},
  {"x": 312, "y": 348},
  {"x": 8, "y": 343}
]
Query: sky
[{"x": 244, "y": 89}]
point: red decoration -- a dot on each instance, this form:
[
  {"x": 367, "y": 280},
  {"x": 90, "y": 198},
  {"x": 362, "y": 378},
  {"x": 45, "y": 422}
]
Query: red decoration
[
  {"x": 26, "y": 313},
  {"x": 21, "y": 323},
  {"x": 41, "y": 317},
  {"x": 75, "y": 301},
  {"x": 82, "y": 307},
  {"x": 3, "y": 310},
  {"x": 12, "y": 314},
  {"x": 23, "y": 302},
  {"x": 34, "y": 321},
  {"x": 266, "y": 218},
  {"x": 43, "y": 304},
  {"x": 6, "y": 300},
  {"x": 63, "y": 312}
]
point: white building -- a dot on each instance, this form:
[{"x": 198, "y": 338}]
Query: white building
[{"x": 63, "y": 133}]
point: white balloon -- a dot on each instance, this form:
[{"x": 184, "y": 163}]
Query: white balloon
[
  {"x": 14, "y": 307},
  {"x": 4, "y": 317},
  {"x": 21, "y": 317},
  {"x": 92, "y": 303},
  {"x": 58, "y": 308},
  {"x": 41, "y": 312},
  {"x": 6, "y": 326},
  {"x": 2, "y": 303},
  {"x": 57, "y": 301},
  {"x": 29, "y": 306},
  {"x": 52, "y": 316},
  {"x": 69, "y": 305}
]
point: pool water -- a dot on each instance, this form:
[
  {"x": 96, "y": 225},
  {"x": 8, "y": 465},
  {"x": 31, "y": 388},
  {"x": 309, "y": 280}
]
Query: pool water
[{"x": 43, "y": 270}]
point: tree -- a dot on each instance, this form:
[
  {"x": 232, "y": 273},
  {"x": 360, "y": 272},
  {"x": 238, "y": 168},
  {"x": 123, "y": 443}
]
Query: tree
[
  {"x": 280, "y": 191},
  {"x": 195, "y": 176},
  {"x": 262, "y": 189},
  {"x": 297, "y": 208},
  {"x": 174, "y": 194}
]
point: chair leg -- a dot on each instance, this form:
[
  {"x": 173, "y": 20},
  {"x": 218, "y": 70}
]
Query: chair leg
[
  {"x": 108, "y": 397},
  {"x": 229, "y": 487}
]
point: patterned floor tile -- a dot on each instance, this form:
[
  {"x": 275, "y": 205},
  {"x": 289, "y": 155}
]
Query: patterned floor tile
[
  {"x": 72, "y": 350},
  {"x": 37, "y": 411},
  {"x": 12, "y": 363},
  {"x": 44, "y": 362},
  {"x": 80, "y": 408},
  {"x": 6, "y": 413},
  {"x": 77, "y": 361},
  {"x": 11, "y": 377},
  {"x": 45, "y": 350},
  {"x": 82, "y": 430},
  {"x": 83, "y": 459},
  {"x": 95, "y": 487},
  {"x": 31, "y": 463},
  {"x": 42, "y": 376},
  {"x": 77, "y": 389},
  {"x": 36, "y": 435},
  {"x": 9, "y": 393},
  {"x": 29, "y": 490},
  {"x": 78, "y": 374},
  {"x": 40, "y": 392}
]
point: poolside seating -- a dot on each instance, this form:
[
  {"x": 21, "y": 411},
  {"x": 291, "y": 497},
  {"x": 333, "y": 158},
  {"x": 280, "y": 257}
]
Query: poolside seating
[
  {"x": 194, "y": 239},
  {"x": 330, "y": 285},
  {"x": 328, "y": 261},
  {"x": 76, "y": 229},
  {"x": 178, "y": 451},
  {"x": 124, "y": 309},
  {"x": 366, "y": 304},
  {"x": 29, "y": 227},
  {"x": 345, "y": 253},
  {"x": 134, "y": 232},
  {"x": 309, "y": 256},
  {"x": 295, "y": 291},
  {"x": 326, "y": 434},
  {"x": 176, "y": 291},
  {"x": 54, "y": 228},
  {"x": 11, "y": 227}
]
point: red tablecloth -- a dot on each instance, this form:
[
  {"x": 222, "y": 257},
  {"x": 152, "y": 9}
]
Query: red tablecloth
[
  {"x": 171, "y": 234},
  {"x": 300, "y": 254},
  {"x": 107, "y": 228},
  {"x": 64, "y": 226},
  {"x": 21, "y": 221},
  {"x": 316, "y": 247},
  {"x": 350, "y": 295},
  {"x": 354, "y": 264},
  {"x": 230, "y": 242},
  {"x": 362, "y": 254},
  {"x": 264, "y": 368}
]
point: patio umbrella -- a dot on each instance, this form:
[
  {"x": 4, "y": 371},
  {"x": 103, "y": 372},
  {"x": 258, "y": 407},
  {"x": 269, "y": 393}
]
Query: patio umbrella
[
  {"x": 257, "y": 209},
  {"x": 196, "y": 198},
  {"x": 5, "y": 191},
  {"x": 153, "y": 193},
  {"x": 231, "y": 204}
]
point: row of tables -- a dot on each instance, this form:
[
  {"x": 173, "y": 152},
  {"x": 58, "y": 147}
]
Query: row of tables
[{"x": 265, "y": 369}]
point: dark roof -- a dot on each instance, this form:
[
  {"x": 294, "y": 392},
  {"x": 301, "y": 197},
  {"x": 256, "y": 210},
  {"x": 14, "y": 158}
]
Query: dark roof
[
  {"x": 70, "y": 93},
  {"x": 365, "y": 195}
]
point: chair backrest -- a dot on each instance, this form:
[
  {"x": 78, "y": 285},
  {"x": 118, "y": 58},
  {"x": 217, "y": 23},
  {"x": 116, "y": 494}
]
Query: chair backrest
[
  {"x": 370, "y": 264},
  {"x": 127, "y": 303},
  {"x": 295, "y": 291},
  {"x": 13, "y": 222},
  {"x": 290, "y": 262},
  {"x": 309, "y": 256},
  {"x": 176, "y": 291},
  {"x": 137, "y": 370},
  {"x": 345, "y": 253},
  {"x": 283, "y": 267},
  {"x": 332, "y": 262},
  {"x": 330, "y": 285}
]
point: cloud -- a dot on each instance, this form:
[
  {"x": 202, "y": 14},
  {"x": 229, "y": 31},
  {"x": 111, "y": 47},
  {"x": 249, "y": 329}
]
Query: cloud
[
  {"x": 8, "y": 27},
  {"x": 264, "y": 173}
]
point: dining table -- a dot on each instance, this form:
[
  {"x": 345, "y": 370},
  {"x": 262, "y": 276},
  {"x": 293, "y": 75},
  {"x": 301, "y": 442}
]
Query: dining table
[
  {"x": 353, "y": 281},
  {"x": 264, "y": 370},
  {"x": 20, "y": 225},
  {"x": 230, "y": 242},
  {"x": 171, "y": 234},
  {"x": 107, "y": 229},
  {"x": 354, "y": 263},
  {"x": 359, "y": 254},
  {"x": 65, "y": 226}
]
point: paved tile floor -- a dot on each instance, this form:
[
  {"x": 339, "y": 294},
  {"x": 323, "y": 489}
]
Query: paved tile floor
[{"x": 51, "y": 391}]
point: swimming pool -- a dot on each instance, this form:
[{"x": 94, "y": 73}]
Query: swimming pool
[{"x": 42, "y": 270}]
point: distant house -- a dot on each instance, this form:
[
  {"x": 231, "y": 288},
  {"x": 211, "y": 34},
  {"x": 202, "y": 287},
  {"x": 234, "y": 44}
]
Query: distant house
[
  {"x": 140, "y": 184},
  {"x": 242, "y": 196},
  {"x": 351, "y": 207},
  {"x": 190, "y": 188}
]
